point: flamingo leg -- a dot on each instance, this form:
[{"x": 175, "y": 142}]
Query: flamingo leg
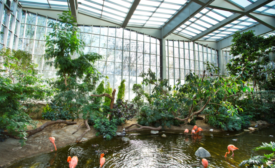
[{"x": 232, "y": 153}]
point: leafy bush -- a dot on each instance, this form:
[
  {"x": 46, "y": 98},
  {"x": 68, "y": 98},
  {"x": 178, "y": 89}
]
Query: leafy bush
[
  {"x": 54, "y": 112},
  {"x": 105, "y": 127},
  {"x": 108, "y": 90},
  {"x": 264, "y": 161}
]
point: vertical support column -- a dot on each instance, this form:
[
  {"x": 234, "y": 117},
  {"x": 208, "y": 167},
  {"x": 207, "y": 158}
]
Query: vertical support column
[
  {"x": 122, "y": 53},
  {"x": 1, "y": 12},
  {"x": 189, "y": 48},
  {"x": 13, "y": 25},
  {"x": 114, "y": 75},
  {"x": 34, "y": 36},
  {"x": 179, "y": 59},
  {"x": 194, "y": 54},
  {"x": 150, "y": 50},
  {"x": 6, "y": 31},
  {"x": 129, "y": 64},
  {"x": 199, "y": 60},
  {"x": 221, "y": 64},
  {"x": 174, "y": 69},
  {"x": 18, "y": 27},
  {"x": 184, "y": 68},
  {"x": 163, "y": 59}
]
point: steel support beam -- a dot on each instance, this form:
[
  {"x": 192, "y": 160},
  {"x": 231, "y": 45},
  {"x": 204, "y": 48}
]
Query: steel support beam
[
  {"x": 187, "y": 12},
  {"x": 49, "y": 3},
  {"x": 130, "y": 13},
  {"x": 268, "y": 21},
  {"x": 230, "y": 19},
  {"x": 73, "y": 8},
  {"x": 258, "y": 30}
]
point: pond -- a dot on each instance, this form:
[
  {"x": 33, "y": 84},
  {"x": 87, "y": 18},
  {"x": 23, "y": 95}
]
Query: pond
[{"x": 145, "y": 151}]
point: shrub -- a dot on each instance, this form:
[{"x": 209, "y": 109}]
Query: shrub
[{"x": 121, "y": 91}]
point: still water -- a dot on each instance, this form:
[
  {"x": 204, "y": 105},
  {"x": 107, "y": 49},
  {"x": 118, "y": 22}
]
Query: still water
[{"x": 152, "y": 151}]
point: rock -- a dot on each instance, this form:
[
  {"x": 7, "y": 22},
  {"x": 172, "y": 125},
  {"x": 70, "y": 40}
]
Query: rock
[
  {"x": 251, "y": 129},
  {"x": 163, "y": 136},
  {"x": 202, "y": 153},
  {"x": 252, "y": 123},
  {"x": 17, "y": 148},
  {"x": 211, "y": 130},
  {"x": 260, "y": 122},
  {"x": 246, "y": 130},
  {"x": 125, "y": 139},
  {"x": 234, "y": 139},
  {"x": 154, "y": 132},
  {"x": 270, "y": 135},
  {"x": 118, "y": 133}
]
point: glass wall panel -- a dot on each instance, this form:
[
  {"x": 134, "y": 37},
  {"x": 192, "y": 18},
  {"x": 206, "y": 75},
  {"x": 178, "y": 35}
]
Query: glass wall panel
[{"x": 126, "y": 53}]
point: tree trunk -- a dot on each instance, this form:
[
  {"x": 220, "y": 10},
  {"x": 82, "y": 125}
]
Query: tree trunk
[{"x": 85, "y": 132}]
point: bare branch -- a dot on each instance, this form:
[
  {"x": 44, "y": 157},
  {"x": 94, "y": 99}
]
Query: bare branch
[
  {"x": 85, "y": 132},
  {"x": 79, "y": 126},
  {"x": 103, "y": 95}
]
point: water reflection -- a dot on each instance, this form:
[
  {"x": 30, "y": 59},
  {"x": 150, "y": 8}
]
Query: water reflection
[{"x": 153, "y": 151}]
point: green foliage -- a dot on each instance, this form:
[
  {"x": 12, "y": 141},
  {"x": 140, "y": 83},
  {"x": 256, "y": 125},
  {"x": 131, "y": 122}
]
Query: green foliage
[
  {"x": 19, "y": 84},
  {"x": 54, "y": 112},
  {"x": 76, "y": 77},
  {"x": 124, "y": 110},
  {"x": 121, "y": 91},
  {"x": 108, "y": 90},
  {"x": 259, "y": 105},
  {"x": 261, "y": 160},
  {"x": 105, "y": 127},
  {"x": 211, "y": 68},
  {"x": 250, "y": 55}
]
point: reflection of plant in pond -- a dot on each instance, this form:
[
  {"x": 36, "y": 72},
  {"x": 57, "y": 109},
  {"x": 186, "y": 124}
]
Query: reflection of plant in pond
[{"x": 267, "y": 160}]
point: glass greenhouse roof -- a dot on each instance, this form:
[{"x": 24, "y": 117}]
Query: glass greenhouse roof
[
  {"x": 155, "y": 13},
  {"x": 112, "y": 10},
  {"x": 268, "y": 9},
  {"x": 203, "y": 20},
  {"x": 229, "y": 29},
  {"x": 55, "y": 4}
]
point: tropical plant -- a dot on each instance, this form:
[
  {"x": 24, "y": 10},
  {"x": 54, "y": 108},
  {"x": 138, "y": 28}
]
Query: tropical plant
[
  {"x": 19, "y": 84},
  {"x": 108, "y": 90},
  {"x": 53, "y": 112},
  {"x": 76, "y": 77},
  {"x": 121, "y": 91},
  {"x": 251, "y": 55},
  {"x": 267, "y": 160}
]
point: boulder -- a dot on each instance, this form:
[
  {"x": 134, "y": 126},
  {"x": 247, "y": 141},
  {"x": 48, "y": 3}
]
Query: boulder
[
  {"x": 246, "y": 130},
  {"x": 252, "y": 123},
  {"x": 202, "y": 153},
  {"x": 154, "y": 132},
  {"x": 125, "y": 139},
  {"x": 261, "y": 122},
  {"x": 251, "y": 129},
  {"x": 163, "y": 136}
]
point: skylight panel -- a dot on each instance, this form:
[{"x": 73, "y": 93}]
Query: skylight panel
[
  {"x": 198, "y": 15},
  {"x": 238, "y": 27},
  {"x": 105, "y": 9},
  {"x": 222, "y": 12},
  {"x": 161, "y": 15},
  {"x": 204, "y": 10},
  {"x": 242, "y": 3},
  {"x": 246, "y": 23},
  {"x": 121, "y": 3},
  {"x": 142, "y": 13},
  {"x": 158, "y": 19},
  {"x": 251, "y": 20},
  {"x": 89, "y": 9},
  {"x": 203, "y": 23},
  {"x": 243, "y": 18},
  {"x": 226, "y": 32},
  {"x": 112, "y": 16},
  {"x": 232, "y": 30},
  {"x": 137, "y": 21},
  {"x": 145, "y": 8},
  {"x": 192, "y": 19},
  {"x": 261, "y": 9},
  {"x": 189, "y": 33},
  {"x": 270, "y": 11},
  {"x": 59, "y": 3},
  {"x": 187, "y": 23},
  {"x": 116, "y": 7},
  {"x": 207, "y": 19},
  {"x": 140, "y": 17},
  {"x": 160, "y": 10},
  {"x": 198, "y": 27},
  {"x": 181, "y": 2},
  {"x": 149, "y": 3},
  {"x": 154, "y": 23},
  {"x": 271, "y": 4},
  {"x": 216, "y": 16},
  {"x": 235, "y": 22},
  {"x": 183, "y": 26},
  {"x": 193, "y": 30},
  {"x": 166, "y": 5}
]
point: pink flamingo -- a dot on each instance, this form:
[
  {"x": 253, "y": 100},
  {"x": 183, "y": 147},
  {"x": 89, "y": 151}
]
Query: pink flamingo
[
  {"x": 102, "y": 160},
  {"x": 230, "y": 148},
  {"x": 195, "y": 127},
  {"x": 193, "y": 132},
  {"x": 204, "y": 163},
  {"x": 72, "y": 161},
  {"x": 199, "y": 130},
  {"x": 52, "y": 139},
  {"x": 186, "y": 131}
]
